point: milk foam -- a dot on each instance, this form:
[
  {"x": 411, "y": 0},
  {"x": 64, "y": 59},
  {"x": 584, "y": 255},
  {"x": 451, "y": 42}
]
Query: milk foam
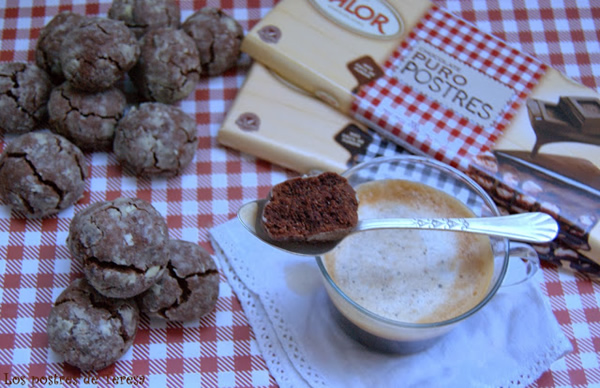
[{"x": 412, "y": 275}]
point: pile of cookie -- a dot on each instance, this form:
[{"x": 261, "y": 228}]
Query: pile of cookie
[
  {"x": 130, "y": 268},
  {"x": 80, "y": 89},
  {"x": 77, "y": 88}
]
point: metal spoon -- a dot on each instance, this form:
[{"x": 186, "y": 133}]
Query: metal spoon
[{"x": 532, "y": 227}]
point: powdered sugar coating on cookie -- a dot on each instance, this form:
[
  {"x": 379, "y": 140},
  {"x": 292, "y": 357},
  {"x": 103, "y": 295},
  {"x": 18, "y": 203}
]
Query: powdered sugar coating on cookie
[
  {"x": 218, "y": 37},
  {"x": 169, "y": 66},
  {"x": 189, "y": 288},
  {"x": 98, "y": 53},
  {"x": 87, "y": 119},
  {"x": 142, "y": 15},
  {"x": 41, "y": 173},
  {"x": 51, "y": 37},
  {"x": 156, "y": 139},
  {"x": 24, "y": 93},
  {"x": 122, "y": 245},
  {"x": 89, "y": 330}
]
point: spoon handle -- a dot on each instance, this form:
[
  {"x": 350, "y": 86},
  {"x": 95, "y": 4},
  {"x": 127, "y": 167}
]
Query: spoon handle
[{"x": 535, "y": 227}]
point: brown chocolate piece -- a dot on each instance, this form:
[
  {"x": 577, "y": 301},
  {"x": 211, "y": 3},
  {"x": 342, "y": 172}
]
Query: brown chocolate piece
[
  {"x": 549, "y": 115},
  {"x": 317, "y": 208},
  {"x": 122, "y": 245},
  {"x": 566, "y": 187},
  {"x": 556, "y": 252},
  {"x": 562, "y": 255},
  {"x": 548, "y": 122},
  {"x": 578, "y": 169},
  {"x": 189, "y": 288},
  {"x": 583, "y": 112},
  {"x": 554, "y": 123},
  {"x": 89, "y": 330},
  {"x": 41, "y": 174}
]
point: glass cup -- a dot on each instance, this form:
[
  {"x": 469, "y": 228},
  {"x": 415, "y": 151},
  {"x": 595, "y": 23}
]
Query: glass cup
[{"x": 389, "y": 335}]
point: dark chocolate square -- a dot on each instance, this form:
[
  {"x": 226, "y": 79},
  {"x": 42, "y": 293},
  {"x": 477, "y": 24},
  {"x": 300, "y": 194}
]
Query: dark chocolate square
[
  {"x": 546, "y": 117},
  {"x": 584, "y": 112}
]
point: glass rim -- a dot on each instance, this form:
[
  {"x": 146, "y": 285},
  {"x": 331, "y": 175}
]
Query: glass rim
[{"x": 473, "y": 186}]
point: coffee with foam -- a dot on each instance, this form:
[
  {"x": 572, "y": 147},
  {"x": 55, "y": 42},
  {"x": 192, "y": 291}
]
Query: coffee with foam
[{"x": 415, "y": 276}]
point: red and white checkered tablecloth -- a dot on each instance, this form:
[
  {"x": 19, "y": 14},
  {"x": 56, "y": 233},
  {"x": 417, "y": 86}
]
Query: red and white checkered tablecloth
[{"x": 220, "y": 350}]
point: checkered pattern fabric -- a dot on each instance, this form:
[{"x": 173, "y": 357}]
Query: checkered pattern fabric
[
  {"x": 423, "y": 124},
  {"x": 379, "y": 147},
  {"x": 219, "y": 350}
]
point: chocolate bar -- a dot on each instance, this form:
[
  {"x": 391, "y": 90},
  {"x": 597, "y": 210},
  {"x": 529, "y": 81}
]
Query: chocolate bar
[
  {"x": 582, "y": 112},
  {"x": 568, "y": 188},
  {"x": 565, "y": 257},
  {"x": 564, "y": 122},
  {"x": 547, "y": 122}
]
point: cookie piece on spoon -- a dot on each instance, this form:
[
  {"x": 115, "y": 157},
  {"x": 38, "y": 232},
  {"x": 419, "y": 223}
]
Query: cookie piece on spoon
[{"x": 314, "y": 208}]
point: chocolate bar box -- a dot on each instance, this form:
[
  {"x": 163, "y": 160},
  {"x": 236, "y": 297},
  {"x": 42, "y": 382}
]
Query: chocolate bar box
[
  {"x": 436, "y": 85},
  {"x": 278, "y": 122},
  {"x": 548, "y": 160},
  {"x": 284, "y": 125}
]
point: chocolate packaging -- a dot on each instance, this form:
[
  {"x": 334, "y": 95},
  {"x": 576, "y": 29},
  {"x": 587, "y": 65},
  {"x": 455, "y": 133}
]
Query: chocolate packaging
[
  {"x": 437, "y": 85},
  {"x": 280, "y": 123}
]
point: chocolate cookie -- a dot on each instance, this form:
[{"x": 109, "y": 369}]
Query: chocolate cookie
[
  {"x": 189, "y": 288},
  {"x": 41, "y": 174},
  {"x": 98, "y": 53},
  {"x": 218, "y": 37},
  {"x": 89, "y": 330},
  {"x": 155, "y": 139},
  {"x": 87, "y": 119},
  {"x": 141, "y": 15},
  {"x": 51, "y": 37},
  {"x": 169, "y": 66},
  {"x": 24, "y": 92},
  {"x": 313, "y": 208},
  {"x": 122, "y": 245}
]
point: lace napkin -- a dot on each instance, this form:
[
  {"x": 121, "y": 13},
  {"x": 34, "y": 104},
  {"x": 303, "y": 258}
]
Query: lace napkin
[{"x": 510, "y": 342}]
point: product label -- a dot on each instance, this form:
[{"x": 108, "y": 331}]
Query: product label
[
  {"x": 270, "y": 34},
  {"x": 373, "y": 18},
  {"x": 354, "y": 140},
  {"x": 448, "y": 90},
  {"x": 454, "y": 84},
  {"x": 248, "y": 121},
  {"x": 365, "y": 70}
]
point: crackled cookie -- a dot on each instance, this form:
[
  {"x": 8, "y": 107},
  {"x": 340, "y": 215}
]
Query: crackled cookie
[
  {"x": 24, "y": 92},
  {"x": 155, "y": 139},
  {"x": 169, "y": 66},
  {"x": 142, "y": 15},
  {"x": 189, "y": 288},
  {"x": 99, "y": 52},
  {"x": 51, "y": 37},
  {"x": 218, "y": 37},
  {"x": 87, "y": 119},
  {"x": 89, "y": 330},
  {"x": 122, "y": 245},
  {"x": 313, "y": 208},
  {"x": 41, "y": 173}
]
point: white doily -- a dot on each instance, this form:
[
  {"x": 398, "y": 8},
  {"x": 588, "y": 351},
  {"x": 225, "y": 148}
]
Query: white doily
[{"x": 509, "y": 343}]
